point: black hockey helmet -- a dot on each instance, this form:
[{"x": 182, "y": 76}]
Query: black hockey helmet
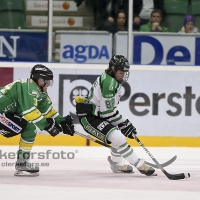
[
  {"x": 41, "y": 71},
  {"x": 119, "y": 62}
]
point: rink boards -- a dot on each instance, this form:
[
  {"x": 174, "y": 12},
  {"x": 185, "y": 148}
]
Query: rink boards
[{"x": 163, "y": 102}]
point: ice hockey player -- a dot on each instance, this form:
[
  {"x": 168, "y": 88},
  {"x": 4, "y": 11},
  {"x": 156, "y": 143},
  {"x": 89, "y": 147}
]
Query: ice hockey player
[
  {"x": 99, "y": 116},
  {"x": 25, "y": 105}
]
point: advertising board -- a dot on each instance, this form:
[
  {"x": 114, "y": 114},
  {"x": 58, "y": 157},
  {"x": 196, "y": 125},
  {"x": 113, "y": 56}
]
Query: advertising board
[{"x": 159, "y": 101}]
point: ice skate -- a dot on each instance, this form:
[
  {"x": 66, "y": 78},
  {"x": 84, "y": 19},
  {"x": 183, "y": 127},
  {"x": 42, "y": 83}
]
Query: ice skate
[
  {"x": 24, "y": 168},
  {"x": 145, "y": 169},
  {"x": 116, "y": 168}
]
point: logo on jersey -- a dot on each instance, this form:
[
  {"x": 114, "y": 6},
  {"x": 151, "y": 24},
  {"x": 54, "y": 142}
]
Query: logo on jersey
[
  {"x": 102, "y": 125},
  {"x": 3, "y": 132},
  {"x": 34, "y": 92},
  {"x": 10, "y": 124},
  {"x": 10, "y": 106},
  {"x": 95, "y": 132},
  {"x": 111, "y": 87}
]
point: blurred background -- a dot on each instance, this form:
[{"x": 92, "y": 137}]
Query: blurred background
[{"x": 77, "y": 38}]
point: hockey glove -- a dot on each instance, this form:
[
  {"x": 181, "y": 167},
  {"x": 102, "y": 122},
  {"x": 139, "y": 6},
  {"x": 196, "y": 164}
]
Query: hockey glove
[
  {"x": 53, "y": 128},
  {"x": 67, "y": 125},
  {"x": 127, "y": 129}
]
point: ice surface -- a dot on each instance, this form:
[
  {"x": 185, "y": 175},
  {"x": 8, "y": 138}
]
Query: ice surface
[{"x": 88, "y": 175}]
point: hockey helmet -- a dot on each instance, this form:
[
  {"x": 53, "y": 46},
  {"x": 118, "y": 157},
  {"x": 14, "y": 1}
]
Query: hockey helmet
[
  {"x": 41, "y": 71},
  {"x": 119, "y": 62}
]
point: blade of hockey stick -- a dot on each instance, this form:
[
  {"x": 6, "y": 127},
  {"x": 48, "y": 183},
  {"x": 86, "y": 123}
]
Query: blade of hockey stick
[
  {"x": 106, "y": 145},
  {"x": 163, "y": 164},
  {"x": 169, "y": 176}
]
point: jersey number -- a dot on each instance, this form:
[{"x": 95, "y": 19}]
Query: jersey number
[{"x": 110, "y": 103}]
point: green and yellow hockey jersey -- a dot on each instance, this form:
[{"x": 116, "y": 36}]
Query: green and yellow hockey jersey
[
  {"x": 104, "y": 96},
  {"x": 24, "y": 98}
]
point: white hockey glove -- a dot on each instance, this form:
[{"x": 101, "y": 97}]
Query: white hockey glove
[{"x": 127, "y": 129}]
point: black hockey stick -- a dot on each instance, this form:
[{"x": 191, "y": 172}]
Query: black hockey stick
[
  {"x": 106, "y": 145},
  {"x": 169, "y": 176}
]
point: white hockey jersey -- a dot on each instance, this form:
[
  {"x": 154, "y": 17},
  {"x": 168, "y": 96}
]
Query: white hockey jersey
[{"x": 105, "y": 95}]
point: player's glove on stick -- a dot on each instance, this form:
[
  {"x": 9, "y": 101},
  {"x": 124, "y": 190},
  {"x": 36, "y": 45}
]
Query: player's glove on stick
[
  {"x": 68, "y": 125},
  {"x": 127, "y": 129},
  {"x": 53, "y": 128}
]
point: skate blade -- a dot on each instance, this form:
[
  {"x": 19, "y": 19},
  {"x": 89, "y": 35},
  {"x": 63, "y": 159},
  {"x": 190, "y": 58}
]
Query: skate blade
[
  {"x": 118, "y": 171},
  {"x": 121, "y": 172},
  {"x": 26, "y": 174},
  {"x": 154, "y": 174}
]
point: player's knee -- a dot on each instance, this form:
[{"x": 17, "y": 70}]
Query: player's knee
[
  {"x": 29, "y": 132},
  {"x": 116, "y": 138}
]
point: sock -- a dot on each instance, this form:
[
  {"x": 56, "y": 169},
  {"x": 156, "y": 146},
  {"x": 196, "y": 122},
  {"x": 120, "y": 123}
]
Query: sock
[
  {"x": 116, "y": 157},
  {"x": 123, "y": 148},
  {"x": 24, "y": 149},
  {"x": 127, "y": 153}
]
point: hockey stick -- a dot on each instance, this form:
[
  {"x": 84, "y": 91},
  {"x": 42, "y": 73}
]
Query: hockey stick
[
  {"x": 169, "y": 176},
  {"x": 106, "y": 145},
  {"x": 163, "y": 164}
]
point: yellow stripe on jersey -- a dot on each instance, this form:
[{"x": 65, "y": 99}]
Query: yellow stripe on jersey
[
  {"x": 51, "y": 113},
  {"x": 24, "y": 145},
  {"x": 32, "y": 115}
]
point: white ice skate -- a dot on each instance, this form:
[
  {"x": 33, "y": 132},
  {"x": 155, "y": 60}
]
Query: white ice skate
[
  {"x": 145, "y": 169},
  {"x": 117, "y": 168},
  {"x": 24, "y": 168}
]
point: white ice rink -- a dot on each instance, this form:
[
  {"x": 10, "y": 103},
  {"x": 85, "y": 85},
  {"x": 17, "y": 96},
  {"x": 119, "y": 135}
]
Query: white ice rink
[{"x": 88, "y": 176}]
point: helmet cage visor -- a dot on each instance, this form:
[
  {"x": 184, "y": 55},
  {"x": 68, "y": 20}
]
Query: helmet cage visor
[
  {"x": 50, "y": 82},
  {"x": 126, "y": 76}
]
